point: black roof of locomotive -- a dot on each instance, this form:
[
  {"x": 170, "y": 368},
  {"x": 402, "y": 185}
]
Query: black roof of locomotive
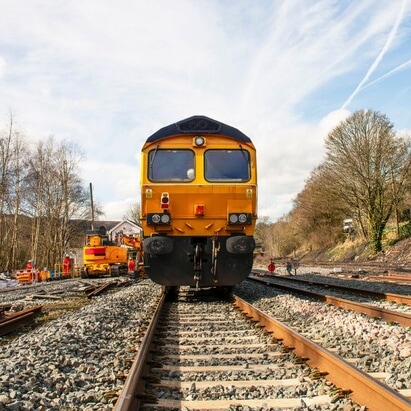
[{"x": 198, "y": 125}]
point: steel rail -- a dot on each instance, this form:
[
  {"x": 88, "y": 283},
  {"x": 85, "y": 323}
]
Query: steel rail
[
  {"x": 392, "y": 278},
  {"x": 397, "y": 317},
  {"x": 398, "y": 298},
  {"x": 363, "y": 265},
  {"x": 99, "y": 289},
  {"x": 128, "y": 400},
  {"x": 364, "y": 389},
  {"x": 13, "y": 321}
]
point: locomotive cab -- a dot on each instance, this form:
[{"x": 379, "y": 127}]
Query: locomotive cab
[{"x": 199, "y": 198}]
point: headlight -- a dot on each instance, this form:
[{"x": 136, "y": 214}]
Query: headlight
[
  {"x": 240, "y": 218},
  {"x": 233, "y": 218},
  {"x": 158, "y": 218},
  {"x": 155, "y": 218},
  {"x": 165, "y": 218}
]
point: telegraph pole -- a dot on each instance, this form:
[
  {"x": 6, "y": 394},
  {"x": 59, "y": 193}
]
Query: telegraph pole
[{"x": 92, "y": 206}]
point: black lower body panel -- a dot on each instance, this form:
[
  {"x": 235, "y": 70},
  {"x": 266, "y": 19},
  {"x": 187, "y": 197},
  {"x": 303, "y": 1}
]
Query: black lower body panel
[{"x": 188, "y": 261}]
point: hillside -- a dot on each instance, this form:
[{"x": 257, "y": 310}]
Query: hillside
[{"x": 398, "y": 254}]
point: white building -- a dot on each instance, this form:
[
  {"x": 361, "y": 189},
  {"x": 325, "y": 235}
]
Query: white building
[{"x": 125, "y": 227}]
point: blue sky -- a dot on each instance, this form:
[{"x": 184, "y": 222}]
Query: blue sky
[{"x": 108, "y": 74}]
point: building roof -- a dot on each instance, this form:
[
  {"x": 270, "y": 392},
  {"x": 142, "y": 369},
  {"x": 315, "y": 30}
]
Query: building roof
[{"x": 135, "y": 227}]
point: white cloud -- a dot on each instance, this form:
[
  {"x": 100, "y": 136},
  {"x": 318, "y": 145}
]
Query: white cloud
[
  {"x": 333, "y": 119},
  {"x": 2, "y": 67},
  {"x": 108, "y": 74}
]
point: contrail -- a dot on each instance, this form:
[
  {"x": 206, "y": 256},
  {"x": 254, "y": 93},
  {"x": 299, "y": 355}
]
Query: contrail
[
  {"x": 392, "y": 71},
  {"x": 380, "y": 55}
]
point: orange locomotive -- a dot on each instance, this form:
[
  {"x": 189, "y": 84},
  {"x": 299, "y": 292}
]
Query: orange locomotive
[{"x": 198, "y": 204}]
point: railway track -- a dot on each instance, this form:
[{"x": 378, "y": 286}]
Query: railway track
[
  {"x": 341, "y": 285},
  {"x": 54, "y": 301},
  {"x": 393, "y": 277},
  {"x": 387, "y": 315},
  {"x": 208, "y": 355},
  {"x": 378, "y": 267}
]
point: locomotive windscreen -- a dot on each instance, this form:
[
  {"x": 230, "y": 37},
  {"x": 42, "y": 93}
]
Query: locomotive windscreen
[
  {"x": 227, "y": 165},
  {"x": 170, "y": 165}
]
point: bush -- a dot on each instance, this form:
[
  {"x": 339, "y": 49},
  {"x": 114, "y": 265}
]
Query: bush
[{"x": 405, "y": 231}]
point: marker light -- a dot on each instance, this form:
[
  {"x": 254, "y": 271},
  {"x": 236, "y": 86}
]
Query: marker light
[
  {"x": 155, "y": 218},
  {"x": 199, "y": 209},
  {"x": 165, "y": 200}
]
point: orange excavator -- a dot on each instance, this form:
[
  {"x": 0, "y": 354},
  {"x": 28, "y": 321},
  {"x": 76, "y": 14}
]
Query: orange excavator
[{"x": 135, "y": 249}]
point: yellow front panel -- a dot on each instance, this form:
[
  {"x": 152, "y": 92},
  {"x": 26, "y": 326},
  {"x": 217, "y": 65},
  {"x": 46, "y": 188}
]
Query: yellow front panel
[{"x": 217, "y": 201}]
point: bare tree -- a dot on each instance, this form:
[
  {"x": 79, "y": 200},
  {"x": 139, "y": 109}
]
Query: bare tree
[
  {"x": 261, "y": 234},
  {"x": 277, "y": 239},
  {"x": 13, "y": 159},
  {"x": 133, "y": 214},
  {"x": 58, "y": 197},
  {"x": 284, "y": 238},
  {"x": 6, "y": 140},
  {"x": 318, "y": 211},
  {"x": 369, "y": 166},
  {"x": 42, "y": 199},
  {"x": 19, "y": 172}
]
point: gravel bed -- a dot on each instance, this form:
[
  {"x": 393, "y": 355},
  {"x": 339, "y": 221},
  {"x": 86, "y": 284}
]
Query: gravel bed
[
  {"x": 378, "y": 346},
  {"x": 78, "y": 361},
  {"x": 19, "y": 295}
]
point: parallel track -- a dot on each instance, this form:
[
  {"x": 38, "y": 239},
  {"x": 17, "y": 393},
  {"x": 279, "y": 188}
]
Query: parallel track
[
  {"x": 397, "y": 298},
  {"x": 396, "y": 317},
  {"x": 382, "y": 270}
]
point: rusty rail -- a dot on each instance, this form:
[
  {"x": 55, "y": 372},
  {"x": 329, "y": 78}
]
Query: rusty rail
[
  {"x": 13, "y": 321},
  {"x": 397, "y": 317},
  {"x": 128, "y": 401},
  {"x": 95, "y": 290},
  {"x": 392, "y": 278}
]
